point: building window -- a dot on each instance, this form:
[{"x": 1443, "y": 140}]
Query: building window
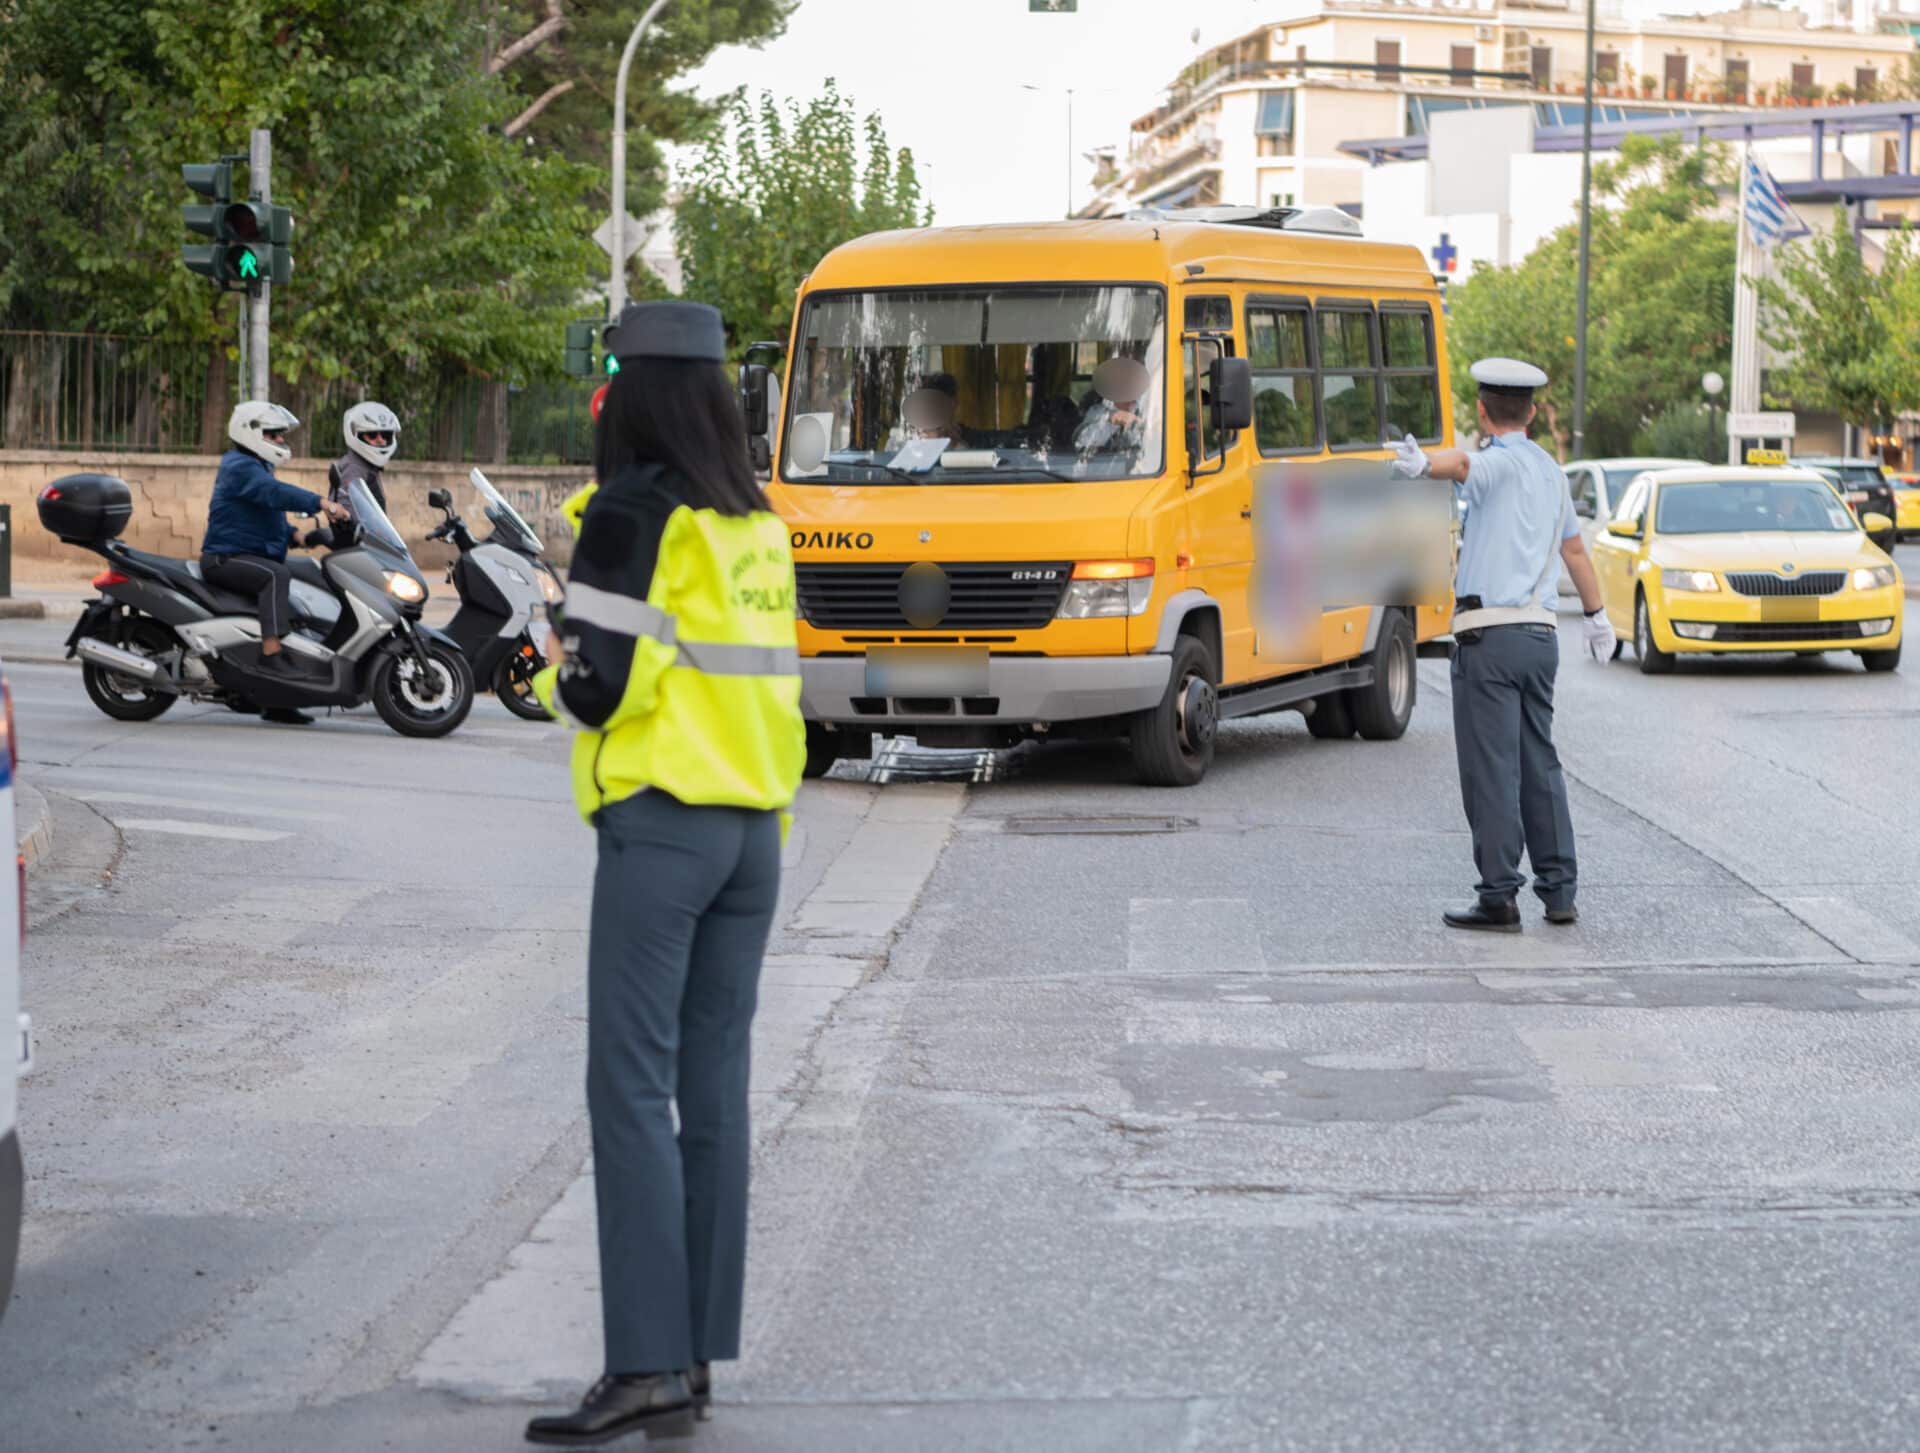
[
  {"x": 1802, "y": 80},
  {"x": 1280, "y": 338},
  {"x": 1866, "y": 81},
  {"x": 1676, "y": 77},
  {"x": 1462, "y": 66},
  {"x": 1274, "y": 127},
  {"x": 1739, "y": 81},
  {"x": 1412, "y": 375},
  {"x": 1541, "y": 57},
  {"x": 1350, "y": 377},
  {"x": 1280, "y": 199},
  {"x": 1606, "y": 67},
  {"x": 1386, "y": 60}
]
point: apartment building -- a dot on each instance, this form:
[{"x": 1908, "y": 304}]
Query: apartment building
[{"x": 1261, "y": 119}]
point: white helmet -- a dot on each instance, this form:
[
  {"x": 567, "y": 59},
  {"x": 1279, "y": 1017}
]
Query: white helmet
[
  {"x": 253, "y": 421},
  {"x": 371, "y": 418}
]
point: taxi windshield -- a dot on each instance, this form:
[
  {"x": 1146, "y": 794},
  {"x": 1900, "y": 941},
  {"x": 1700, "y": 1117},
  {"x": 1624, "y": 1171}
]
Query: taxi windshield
[
  {"x": 1733, "y": 506},
  {"x": 978, "y": 385}
]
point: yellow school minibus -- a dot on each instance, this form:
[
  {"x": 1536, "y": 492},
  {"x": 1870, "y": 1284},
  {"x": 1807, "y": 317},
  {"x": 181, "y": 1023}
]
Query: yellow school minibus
[{"x": 1019, "y": 464}]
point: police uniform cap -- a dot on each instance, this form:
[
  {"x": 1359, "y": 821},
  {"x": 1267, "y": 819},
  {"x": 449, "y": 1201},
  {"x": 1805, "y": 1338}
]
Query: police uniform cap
[
  {"x": 1507, "y": 376},
  {"x": 668, "y": 329}
]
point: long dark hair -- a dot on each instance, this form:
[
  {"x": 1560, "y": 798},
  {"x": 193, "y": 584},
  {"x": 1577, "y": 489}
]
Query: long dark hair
[{"x": 679, "y": 412}]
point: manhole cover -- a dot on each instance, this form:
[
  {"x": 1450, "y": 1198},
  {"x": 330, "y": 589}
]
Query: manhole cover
[{"x": 1110, "y": 826}]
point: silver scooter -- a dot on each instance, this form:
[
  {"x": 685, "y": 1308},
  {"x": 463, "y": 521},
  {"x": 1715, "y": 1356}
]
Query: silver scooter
[{"x": 505, "y": 583}]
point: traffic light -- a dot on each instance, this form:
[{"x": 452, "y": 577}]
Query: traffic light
[
  {"x": 252, "y": 241},
  {"x": 580, "y": 350},
  {"x": 609, "y": 364}
]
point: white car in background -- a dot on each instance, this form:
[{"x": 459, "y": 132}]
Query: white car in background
[
  {"x": 1597, "y": 486},
  {"x": 16, "y": 1055}
]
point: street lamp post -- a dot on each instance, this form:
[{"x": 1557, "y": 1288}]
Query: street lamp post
[
  {"x": 1027, "y": 86},
  {"x": 617, "y": 284},
  {"x": 1586, "y": 239},
  {"x": 1711, "y": 384}
]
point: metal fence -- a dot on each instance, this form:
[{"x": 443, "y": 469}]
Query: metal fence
[{"x": 113, "y": 393}]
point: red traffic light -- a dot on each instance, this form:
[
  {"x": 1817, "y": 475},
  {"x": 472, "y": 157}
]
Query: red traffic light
[{"x": 599, "y": 398}]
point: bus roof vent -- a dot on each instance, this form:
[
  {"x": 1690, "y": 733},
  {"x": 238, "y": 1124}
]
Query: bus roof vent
[{"x": 1329, "y": 220}]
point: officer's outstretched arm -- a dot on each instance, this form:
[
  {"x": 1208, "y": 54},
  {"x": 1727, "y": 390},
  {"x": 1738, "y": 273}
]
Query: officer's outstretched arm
[{"x": 617, "y": 644}]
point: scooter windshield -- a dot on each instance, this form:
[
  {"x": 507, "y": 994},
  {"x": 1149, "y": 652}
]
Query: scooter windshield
[
  {"x": 374, "y": 526},
  {"x": 504, "y": 516}
]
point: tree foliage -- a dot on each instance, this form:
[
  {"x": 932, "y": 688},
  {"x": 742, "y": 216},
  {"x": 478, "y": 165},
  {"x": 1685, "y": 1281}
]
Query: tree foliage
[
  {"x": 1848, "y": 332},
  {"x": 777, "y": 189},
  {"x": 1660, "y": 298}
]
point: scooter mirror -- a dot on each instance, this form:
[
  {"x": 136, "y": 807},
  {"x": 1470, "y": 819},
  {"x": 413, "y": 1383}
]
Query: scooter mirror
[{"x": 439, "y": 499}]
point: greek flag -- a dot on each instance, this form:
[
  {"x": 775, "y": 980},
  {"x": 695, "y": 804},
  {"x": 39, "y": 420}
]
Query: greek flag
[{"x": 1769, "y": 219}]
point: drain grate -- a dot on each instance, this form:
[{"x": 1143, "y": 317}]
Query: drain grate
[{"x": 1095, "y": 826}]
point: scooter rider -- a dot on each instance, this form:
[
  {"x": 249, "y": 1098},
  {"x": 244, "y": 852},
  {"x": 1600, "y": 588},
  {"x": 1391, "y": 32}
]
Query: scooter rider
[
  {"x": 372, "y": 432},
  {"x": 245, "y": 547}
]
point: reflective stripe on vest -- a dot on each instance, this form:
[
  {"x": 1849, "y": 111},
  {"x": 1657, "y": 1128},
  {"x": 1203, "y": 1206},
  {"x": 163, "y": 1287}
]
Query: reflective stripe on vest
[
  {"x": 719, "y": 659},
  {"x": 612, "y": 611}
]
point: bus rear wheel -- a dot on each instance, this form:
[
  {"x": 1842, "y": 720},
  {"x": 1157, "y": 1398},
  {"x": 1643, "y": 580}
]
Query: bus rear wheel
[
  {"x": 1382, "y": 709},
  {"x": 1173, "y": 742}
]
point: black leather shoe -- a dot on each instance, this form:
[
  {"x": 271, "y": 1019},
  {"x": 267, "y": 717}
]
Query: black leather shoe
[
  {"x": 1569, "y": 914},
  {"x": 700, "y": 1384},
  {"x": 657, "y": 1404},
  {"x": 1490, "y": 917},
  {"x": 286, "y": 716}
]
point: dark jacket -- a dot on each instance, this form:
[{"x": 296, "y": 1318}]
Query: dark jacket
[
  {"x": 351, "y": 466},
  {"x": 249, "y": 512}
]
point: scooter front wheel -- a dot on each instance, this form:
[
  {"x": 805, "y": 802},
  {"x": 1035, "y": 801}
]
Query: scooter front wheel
[
  {"x": 419, "y": 702},
  {"x": 513, "y": 684}
]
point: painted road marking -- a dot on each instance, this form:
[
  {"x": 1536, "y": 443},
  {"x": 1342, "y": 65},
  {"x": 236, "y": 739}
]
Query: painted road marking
[{"x": 202, "y": 829}]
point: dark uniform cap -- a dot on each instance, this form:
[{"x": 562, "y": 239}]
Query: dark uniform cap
[
  {"x": 668, "y": 330},
  {"x": 1508, "y": 377}
]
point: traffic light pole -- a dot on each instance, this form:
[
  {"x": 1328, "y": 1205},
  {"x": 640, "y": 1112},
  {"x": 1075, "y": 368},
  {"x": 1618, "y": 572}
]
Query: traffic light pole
[
  {"x": 258, "y": 310},
  {"x": 617, "y": 284}
]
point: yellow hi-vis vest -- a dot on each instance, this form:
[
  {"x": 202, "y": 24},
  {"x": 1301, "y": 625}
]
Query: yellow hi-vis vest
[{"x": 711, "y": 709}]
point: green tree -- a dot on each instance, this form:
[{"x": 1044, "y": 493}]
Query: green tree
[
  {"x": 1846, "y": 330},
  {"x": 1660, "y": 300},
  {"x": 777, "y": 189}
]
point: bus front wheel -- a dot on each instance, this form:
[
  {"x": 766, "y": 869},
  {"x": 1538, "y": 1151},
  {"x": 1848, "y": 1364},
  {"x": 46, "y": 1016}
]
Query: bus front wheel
[{"x": 1173, "y": 742}]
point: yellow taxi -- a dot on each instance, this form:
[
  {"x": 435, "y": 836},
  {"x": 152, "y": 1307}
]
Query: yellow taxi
[
  {"x": 1906, "y": 504},
  {"x": 1731, "y": 559}
]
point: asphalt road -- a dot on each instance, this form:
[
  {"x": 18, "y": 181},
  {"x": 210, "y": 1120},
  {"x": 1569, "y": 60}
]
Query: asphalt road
[{"x": 1093, "y": 1117}]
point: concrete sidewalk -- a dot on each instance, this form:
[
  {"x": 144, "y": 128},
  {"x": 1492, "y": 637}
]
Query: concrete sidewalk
[{"x": 32, "y": 823}]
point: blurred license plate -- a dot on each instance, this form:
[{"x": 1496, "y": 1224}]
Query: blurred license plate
[
  {"x": 1790, "y": 608},
  {"x": 927, "y": 671}
]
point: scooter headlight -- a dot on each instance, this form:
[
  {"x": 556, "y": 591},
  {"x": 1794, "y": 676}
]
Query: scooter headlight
[
  {"x": 550, "y": 587},
  {"x": 405, "y": 587}
]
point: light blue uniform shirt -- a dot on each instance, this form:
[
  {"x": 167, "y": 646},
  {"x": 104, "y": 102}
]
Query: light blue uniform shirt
[{"x": 1519, "y": 509}]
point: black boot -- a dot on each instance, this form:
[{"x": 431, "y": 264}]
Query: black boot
[
  {"x": 700, "y": 1384},
  {"x": 657, "y": 1403},
  {"x": 1489, "y": 916}
]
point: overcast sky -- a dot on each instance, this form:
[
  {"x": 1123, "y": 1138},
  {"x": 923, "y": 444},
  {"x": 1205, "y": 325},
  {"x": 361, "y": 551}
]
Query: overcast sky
[{"x": 947, "y": 76}]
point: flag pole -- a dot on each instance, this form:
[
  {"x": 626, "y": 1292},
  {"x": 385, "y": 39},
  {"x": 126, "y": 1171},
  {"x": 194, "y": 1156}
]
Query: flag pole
[
  {"x": 1586, "y": 242},
  {"x": 1745, "y": 397}
]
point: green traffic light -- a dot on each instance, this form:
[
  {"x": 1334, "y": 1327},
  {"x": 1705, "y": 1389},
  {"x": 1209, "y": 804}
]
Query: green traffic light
[
  {"x": 613, "y": 365},
  {"x": 249, "y": 265}
]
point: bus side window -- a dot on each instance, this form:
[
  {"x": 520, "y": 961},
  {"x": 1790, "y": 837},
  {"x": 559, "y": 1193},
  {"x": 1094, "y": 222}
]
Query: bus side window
[{"x": 1200, "y": 427}]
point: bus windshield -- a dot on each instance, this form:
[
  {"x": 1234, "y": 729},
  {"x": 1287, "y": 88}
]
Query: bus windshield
[{"x": 978, "y": 385}]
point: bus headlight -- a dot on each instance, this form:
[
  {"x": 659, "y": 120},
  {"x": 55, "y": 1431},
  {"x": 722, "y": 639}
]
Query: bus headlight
[{"x": 1102, "y": 588}]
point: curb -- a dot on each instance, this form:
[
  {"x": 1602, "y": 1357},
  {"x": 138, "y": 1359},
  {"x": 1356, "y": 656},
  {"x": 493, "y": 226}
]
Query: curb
[
  {"x": 33, "y": 820},
  {"x": 12, "y": 608}
]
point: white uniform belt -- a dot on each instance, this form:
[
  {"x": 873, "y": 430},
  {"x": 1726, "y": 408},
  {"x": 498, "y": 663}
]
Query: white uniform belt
[{"x": 1502, "y": 615}]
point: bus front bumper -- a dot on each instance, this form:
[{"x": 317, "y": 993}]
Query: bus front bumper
[{"x": 1020, "y": 690}]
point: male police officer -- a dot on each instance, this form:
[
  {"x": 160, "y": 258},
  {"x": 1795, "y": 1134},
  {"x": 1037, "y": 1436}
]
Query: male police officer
[{"x": 1520, "y": 524}]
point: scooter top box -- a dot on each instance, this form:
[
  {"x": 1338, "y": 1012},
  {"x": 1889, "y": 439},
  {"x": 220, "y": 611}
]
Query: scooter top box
[{"x": 86, "y": 509}]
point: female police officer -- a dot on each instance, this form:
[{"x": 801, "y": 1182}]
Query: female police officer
[{"x": 678, "y": 666}]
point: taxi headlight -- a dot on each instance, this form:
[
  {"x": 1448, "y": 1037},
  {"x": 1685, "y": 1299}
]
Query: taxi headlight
[
  {"x": 405, "y": 587},
  {"x": 1873, "y": 577},
  {"x": 1689, "y": 580}
]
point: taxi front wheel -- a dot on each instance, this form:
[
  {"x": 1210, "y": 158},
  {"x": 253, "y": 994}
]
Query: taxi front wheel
[
  {"x": 1881, "y": 660},
  {"x": 1653, "y": 660}
]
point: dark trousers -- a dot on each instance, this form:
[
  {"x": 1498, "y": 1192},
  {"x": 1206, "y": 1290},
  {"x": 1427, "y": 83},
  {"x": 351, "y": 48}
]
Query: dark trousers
[
  {"x": 683, "y": 899},
  {"x": 1510, "y": 777},
  {"x": 268, "y": 581}
]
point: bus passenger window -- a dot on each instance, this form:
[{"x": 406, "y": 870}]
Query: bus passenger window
[
  {"x": 1279, "y": 341},
  {"x": 1413, "y": 375},
  {"x": 1349, "y": 377}
]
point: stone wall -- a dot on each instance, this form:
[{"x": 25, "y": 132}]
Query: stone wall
[{"x": 171, "y": 491}]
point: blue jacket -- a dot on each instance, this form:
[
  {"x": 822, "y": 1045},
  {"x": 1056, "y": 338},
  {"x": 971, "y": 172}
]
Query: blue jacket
[{"x": 249, "y": 512}]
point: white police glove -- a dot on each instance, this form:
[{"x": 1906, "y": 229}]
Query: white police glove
[
  {"x": 1409, "y": 459},
  {"x": 1600, "y": 638}
]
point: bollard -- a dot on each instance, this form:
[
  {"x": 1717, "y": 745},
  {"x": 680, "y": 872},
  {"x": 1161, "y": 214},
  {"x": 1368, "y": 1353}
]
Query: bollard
[{"x": 6, "y": 552}]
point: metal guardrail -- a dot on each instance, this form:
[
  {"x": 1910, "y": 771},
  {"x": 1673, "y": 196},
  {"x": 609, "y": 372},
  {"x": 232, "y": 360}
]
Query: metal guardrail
[{"x": 115, "y": 393}]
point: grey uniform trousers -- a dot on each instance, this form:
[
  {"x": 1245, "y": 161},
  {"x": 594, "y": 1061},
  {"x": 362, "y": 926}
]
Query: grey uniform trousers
[
  {"x": 683, "y": 899},
  {"x": 1510, "y": 777}
]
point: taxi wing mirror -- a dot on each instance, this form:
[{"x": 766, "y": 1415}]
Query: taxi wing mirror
[
  {"x": 1875, "y": 523},
  {"x": 1626, "y": 529},
  {"x": 1230, "y": 382}
]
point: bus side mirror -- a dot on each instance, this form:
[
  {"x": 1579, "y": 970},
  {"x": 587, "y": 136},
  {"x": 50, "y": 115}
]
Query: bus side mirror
[
  {"x": 755, "y": 381},
  {"x": 1230, "y": 381}
]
